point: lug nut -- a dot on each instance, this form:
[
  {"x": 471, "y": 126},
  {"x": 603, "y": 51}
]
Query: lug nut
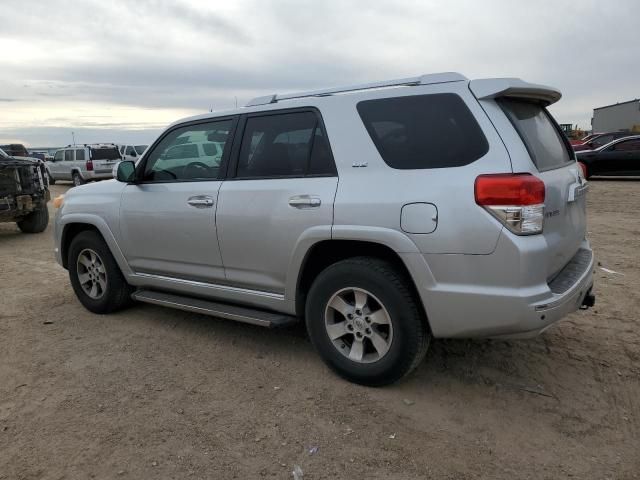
[
  {"x": 350, "y": 327},
  {"x": 367, "y": 319},
  {"x": 368, "y": 330},
  {"x": 358, "y": 312}
]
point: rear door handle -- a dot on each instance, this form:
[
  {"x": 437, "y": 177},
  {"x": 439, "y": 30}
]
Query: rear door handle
[
  {"x": 201, "y": 201},
  {"x": 304, "y": 201}
]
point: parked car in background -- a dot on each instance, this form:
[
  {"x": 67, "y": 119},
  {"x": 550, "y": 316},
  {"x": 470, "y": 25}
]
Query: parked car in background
[
  {"x": 583, "y": 139},
  {"x": 24, "y": 193},
  {"x": 83, "y": 163},
  {"x": 132, "y": 152},
  {"x": 15, "y": 150},
  {"x": 599, "y": 140},
  {"x": 383, "y": 214},
  {"x": 618, "y": 158}
]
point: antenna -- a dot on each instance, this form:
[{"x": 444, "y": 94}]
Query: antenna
[
  {"x": 73, "y": 137},
  {"x": 236, "y": 101}
]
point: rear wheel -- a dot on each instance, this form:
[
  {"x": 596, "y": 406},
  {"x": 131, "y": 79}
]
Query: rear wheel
[
  {"x": 77, "y": 179},
  {"x": 95, "y": 276},
  {"x": 36, "y": 221},
  {"x": 364, "y": 320}
]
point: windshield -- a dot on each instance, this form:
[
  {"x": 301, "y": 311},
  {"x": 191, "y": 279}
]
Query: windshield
[
  {"x": 110, "y": 153},
  {"x": 141, "y": 148},
  {"x": 539, "y": 132}
]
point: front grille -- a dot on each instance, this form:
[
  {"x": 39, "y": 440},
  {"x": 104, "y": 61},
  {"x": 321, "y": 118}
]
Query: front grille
[{"x": 572, "y": 271}]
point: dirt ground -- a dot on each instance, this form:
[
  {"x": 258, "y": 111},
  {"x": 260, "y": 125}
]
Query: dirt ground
[{"x": 158, "y": 393}]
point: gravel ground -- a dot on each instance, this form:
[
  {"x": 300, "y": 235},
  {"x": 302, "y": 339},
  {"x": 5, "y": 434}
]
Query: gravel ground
[{"x": 159, "y": 393}]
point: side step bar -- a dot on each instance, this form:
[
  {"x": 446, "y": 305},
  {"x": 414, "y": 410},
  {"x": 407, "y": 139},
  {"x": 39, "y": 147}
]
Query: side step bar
[{"x": 221, "y": 310}]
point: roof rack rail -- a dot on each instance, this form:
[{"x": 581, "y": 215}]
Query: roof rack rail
[{"x": 406, "y": 82}]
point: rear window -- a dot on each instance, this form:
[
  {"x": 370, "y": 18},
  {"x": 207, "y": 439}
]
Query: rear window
[
  {"x": 539, "y": 132},
  {"x": 105, "y": 154},
  {"x": 423, "y": 131}
]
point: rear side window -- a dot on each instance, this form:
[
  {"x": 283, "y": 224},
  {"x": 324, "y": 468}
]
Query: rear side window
[
  {"x": 80, "y": 155},
  {"x": 423, "y": 131},
  {"x": 284, "y": 145},
  {"x": 546, "y": 144},
  {"x": 68, "y": 155}
]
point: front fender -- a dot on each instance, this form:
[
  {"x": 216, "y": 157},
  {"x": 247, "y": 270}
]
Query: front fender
[{"x": 64, "y": 221}]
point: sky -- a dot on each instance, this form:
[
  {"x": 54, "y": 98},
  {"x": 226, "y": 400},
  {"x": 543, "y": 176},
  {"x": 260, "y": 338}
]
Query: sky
[{"x": 121, "y": 71}]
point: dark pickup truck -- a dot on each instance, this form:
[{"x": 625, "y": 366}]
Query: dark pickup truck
[{"x": 24, "y": 193}]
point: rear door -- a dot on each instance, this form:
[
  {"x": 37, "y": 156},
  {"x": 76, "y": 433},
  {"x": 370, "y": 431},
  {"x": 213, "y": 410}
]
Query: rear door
[
  {"x": 281, "y": 187},
  {"x": 565, "y": 215},
  {"x": 104, "y": 159}
]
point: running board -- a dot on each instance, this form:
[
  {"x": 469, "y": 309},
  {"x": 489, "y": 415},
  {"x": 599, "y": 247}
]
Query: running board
[{"x": 261, "y": 318}]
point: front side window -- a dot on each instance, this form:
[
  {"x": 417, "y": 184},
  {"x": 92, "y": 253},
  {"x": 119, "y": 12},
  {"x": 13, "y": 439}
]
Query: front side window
[
  {"x": 140, "y": 149},
  {"x": 58, "y": 156},
  {"x": 546, "y": 144},
  {"x": 423, "y": 131},
  {"x": 68, "y": 155},
  {"x": 602, "y": 140},
  {"x": 130, "y": 151},
  {"x": 186, "y": 153},
  {"x": 80, "y": 155},
  {"x": 284, "y": 145}
]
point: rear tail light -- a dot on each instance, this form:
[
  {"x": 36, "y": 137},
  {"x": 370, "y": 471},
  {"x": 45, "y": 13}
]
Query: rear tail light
[
  {"x": 516, "y": 200},
  {"x": 583, "y": 167},
  {"x": 89, "y": 165}
]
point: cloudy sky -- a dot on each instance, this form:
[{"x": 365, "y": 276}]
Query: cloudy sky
[{"x": 122, "y": 70}]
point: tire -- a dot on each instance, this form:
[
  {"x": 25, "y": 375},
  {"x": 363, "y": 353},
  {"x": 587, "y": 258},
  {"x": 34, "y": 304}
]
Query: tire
[
  {"x": 389, "y": 297},
  {"x": 77, "y": 179},
  {"x": 52, "y": 181},
  {"x": 112, "y": 292},
  {"x": 36, "y": 221}
]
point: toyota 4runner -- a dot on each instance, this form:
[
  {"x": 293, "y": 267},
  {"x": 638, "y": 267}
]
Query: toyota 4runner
[{"x": 383, "y": 214}]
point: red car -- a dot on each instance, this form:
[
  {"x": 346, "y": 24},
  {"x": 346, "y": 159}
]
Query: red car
[{"x": 583, "y": 140}]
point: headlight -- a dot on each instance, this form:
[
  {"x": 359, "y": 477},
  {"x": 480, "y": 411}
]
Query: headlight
[{"x": 58, "y": 201}]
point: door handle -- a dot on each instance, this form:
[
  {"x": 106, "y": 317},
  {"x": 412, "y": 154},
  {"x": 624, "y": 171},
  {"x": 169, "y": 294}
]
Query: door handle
[
  {"x": 200, "y": 201},
  {"x": 304, "y": 201}
]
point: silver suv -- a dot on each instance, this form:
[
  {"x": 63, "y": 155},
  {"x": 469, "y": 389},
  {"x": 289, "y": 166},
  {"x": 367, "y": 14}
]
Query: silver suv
[
  {"x": 83, "y": 163},
  {"x": 383, "y": 214}
]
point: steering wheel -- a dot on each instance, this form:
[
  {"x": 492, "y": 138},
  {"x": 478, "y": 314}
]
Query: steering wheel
[{"x": 195, "y": 169}]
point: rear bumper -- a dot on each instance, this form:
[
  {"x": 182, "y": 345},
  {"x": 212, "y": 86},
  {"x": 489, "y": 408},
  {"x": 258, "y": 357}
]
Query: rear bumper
[{"x": 468, "y": 305}]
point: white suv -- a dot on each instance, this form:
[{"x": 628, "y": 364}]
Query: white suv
[
  {"x": 83, "y": 163},
  {"x": 132, "y": 152}
]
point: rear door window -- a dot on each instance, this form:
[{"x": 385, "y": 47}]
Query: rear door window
[
  {"x": 540, "y": 133},
  {"x": 68, "y": 155},
  {"x": 423, "y": 131},
  {"x": 80, "y": 155},
  {"x": 284, "y": 145}
]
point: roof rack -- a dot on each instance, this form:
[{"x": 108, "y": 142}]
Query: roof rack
[{"x": 405, "y": 82}]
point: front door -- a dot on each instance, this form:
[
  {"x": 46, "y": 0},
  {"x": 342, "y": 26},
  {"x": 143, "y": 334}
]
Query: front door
[
  {"x": 168, "y": 219},
  {"x": 281, "y": 188},
  {"x": 626, "y": 157}
]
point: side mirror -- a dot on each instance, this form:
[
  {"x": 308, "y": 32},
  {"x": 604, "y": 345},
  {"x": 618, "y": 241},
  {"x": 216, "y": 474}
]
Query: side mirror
[{"x": 126, "y": 171}]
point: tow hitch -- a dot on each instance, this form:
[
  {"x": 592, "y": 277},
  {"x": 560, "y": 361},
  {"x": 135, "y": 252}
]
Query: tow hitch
[{"x": 588, "y": 301}]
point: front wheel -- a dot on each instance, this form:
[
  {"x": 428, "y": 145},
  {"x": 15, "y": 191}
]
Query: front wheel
[
  {"x": 36, "y": 221},
  {"x": 95, "y": 276},
  {"x": 364, "y": 320}
]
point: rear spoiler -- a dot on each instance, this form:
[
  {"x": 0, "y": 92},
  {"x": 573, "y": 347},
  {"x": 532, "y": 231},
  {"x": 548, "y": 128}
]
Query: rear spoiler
[{"x": 487, "y": 88}]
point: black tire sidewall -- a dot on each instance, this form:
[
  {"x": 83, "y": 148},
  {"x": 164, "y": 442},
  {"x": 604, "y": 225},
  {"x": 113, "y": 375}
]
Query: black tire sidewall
[
  {"x": 111, "y": 300},
  {"x": 405, "y": 318},
  {"x": 36, "y": 222}
]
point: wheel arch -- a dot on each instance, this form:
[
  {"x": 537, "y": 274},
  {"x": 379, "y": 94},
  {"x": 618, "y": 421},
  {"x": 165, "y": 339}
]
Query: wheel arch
[
  {"x": 328, "y": 252},
  {"x": 75, "y": 224}
]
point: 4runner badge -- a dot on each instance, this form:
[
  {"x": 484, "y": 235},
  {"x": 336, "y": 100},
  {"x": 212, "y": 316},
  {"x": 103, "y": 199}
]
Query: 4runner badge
[{"x": 360, "y": 164}]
